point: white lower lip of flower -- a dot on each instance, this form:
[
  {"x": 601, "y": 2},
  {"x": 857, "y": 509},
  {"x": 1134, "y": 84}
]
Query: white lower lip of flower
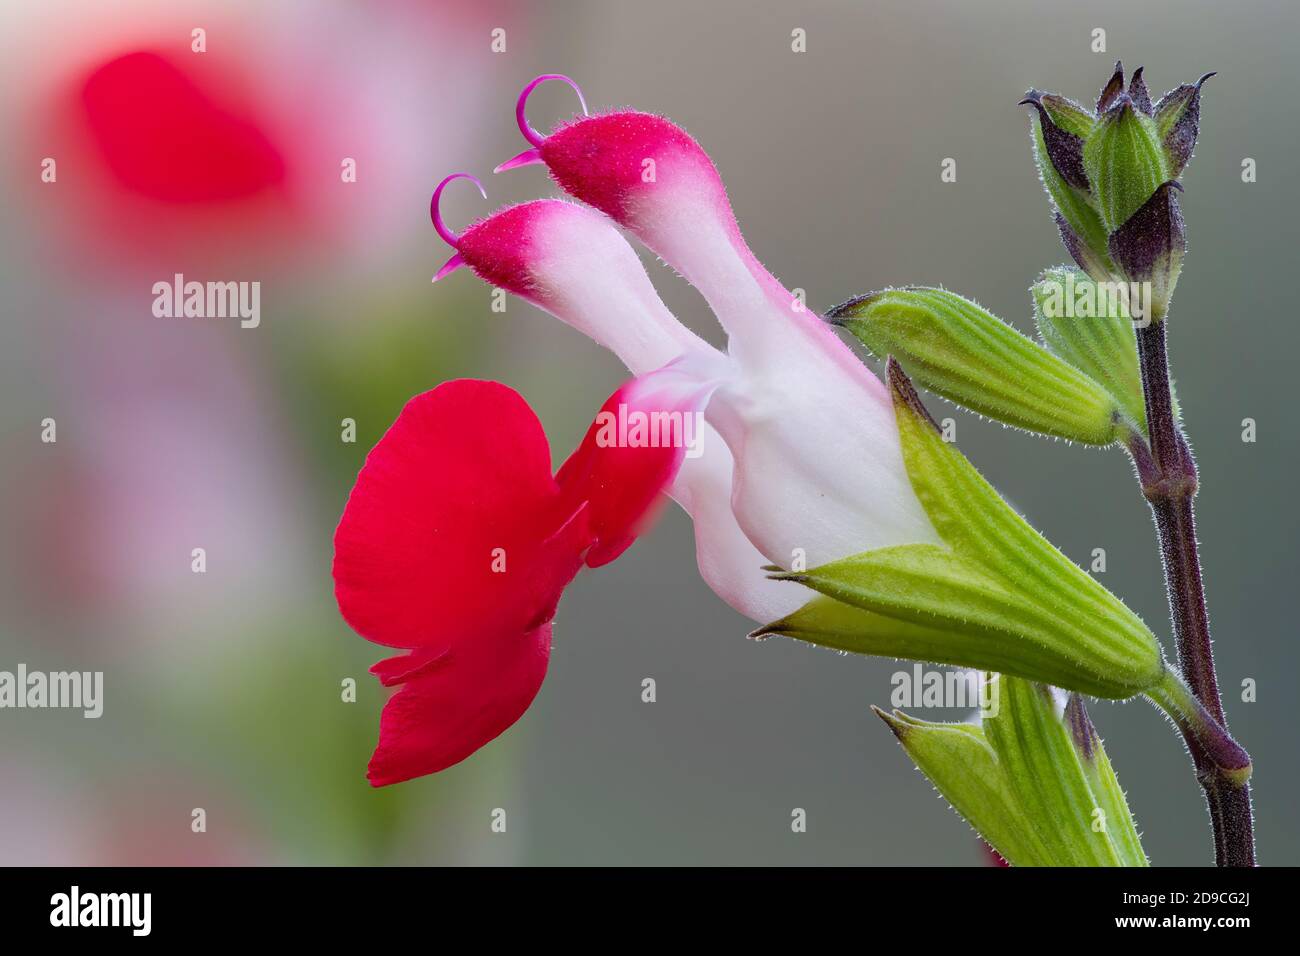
[
  {"x": 728, "y": 560},
  {"x": 816, "y": 479}
]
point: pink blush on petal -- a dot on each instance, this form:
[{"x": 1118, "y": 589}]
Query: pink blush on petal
[
  {"x": 603, "y": 160},
  {"x": 500, "y": 248}
]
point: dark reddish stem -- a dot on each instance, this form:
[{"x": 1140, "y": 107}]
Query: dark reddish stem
[{"x": 1167, "y": 472}]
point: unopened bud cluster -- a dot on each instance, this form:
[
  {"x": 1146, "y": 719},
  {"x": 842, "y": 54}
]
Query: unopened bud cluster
[{"x": 1112, "y": 173}]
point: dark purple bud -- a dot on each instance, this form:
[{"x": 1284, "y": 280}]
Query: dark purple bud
[
  {"x": 1178, "y": 119},
  {"x": 1149, "y": 246},
  {"x": 1152, "y": 233},
  {"x": 1064, "y": 150},
  {"x": 1137, "y": 91},
  {"x": 1114, "y": 86}
]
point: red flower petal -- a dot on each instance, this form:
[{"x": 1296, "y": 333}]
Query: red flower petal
[
  {"x": 630, "y": 454},
  {"x": 398, "y": 670},
  {"x": 600, "y": 159},
  {"x": 457, "y": 704},
  {"x": 457, "y": 543},
  {"x": 166, "y": 135},
  {"x": 454, "y": 527}
]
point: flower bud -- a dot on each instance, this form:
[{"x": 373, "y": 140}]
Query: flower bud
[
  {"x": 964, "y": 768},
  {"x": 1101, "y": 169},
  {"x": 1059, "y": 130},
  {"x": 957, "y": 349},
  {"x": 1090, "y": 325},
  {"x": 1124, "y": 161},
  {"x": 1021, "y": 778},
  {"x": 1149, "y": 247},
  {"x": 1080, "y": 819}
]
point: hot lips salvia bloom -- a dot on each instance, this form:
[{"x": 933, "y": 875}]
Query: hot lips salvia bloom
[{"x": 804, "y": 464}]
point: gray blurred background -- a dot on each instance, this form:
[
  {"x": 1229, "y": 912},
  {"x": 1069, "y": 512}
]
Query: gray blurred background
[{"x": 222, "y": 692}]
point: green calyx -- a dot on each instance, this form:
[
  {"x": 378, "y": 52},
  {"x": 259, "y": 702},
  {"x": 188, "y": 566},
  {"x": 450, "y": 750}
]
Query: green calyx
[
  {"x": 1032, "y": 777},
  {"x": 1124, "y": 161},
  {"x": 995, "y": 595},
  {"x": 1091, "y": 326},
  {"x": 964, "y": 767},
  {"x": 962, "y": 352}
]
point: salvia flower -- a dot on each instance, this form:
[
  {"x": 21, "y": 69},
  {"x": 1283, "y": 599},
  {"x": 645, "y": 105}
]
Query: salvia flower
[{"x": 1111, "y": 175}]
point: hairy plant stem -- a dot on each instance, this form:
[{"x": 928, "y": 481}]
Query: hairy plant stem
[
  {"x": 1167, "y": 473},
  {"x": 1200, "y": 729}
]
